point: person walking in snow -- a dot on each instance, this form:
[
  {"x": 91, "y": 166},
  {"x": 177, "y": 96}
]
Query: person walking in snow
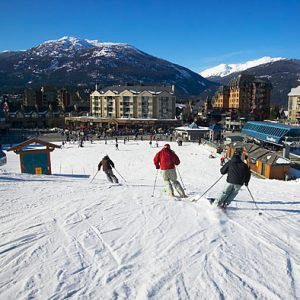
[
  {"x": 107, "y": 164},
  {"x": 166, "y": 160},
  {"x": 238, "y": 174}
]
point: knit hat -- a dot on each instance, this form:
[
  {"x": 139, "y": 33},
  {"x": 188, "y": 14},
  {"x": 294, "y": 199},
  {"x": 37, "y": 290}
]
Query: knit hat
[{"x": 167, "y": 146}]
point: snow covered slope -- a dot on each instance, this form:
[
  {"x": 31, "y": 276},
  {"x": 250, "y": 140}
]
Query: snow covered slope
[
  {"x": 226, "y": 69},
  {"x": 65, "y": 237}
]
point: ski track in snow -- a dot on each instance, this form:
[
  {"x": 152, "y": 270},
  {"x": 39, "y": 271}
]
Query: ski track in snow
[{"x": 64, "y": 237}]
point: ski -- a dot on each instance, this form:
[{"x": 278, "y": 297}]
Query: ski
[
  {"x": 211, "y": 200},
  {"x": 178, "y": 198}
]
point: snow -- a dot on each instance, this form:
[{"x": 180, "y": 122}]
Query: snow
[
  {"x": 187, "y": 128},
  {"x": 223, "y": 70},
  {"x": 295, "y": 91},
  {"x": 68, "y": 46},
  {"x": 282, "y": 160},
  {"x": 77, "y": 43},
  {"x": 74, "y": 42},
  {"x": 63, "y": 236}
]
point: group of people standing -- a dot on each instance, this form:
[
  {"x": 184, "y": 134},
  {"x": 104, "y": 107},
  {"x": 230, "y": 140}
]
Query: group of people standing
[{"x": 166, "y": 160}]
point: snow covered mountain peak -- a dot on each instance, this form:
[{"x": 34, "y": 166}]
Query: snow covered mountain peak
[
  {"x": 69, "y": 44},
  {"x": 72, "y": 61},
  {"x": 223, "y": 70}
]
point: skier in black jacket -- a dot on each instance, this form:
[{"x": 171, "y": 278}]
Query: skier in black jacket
[{"x": 238, "y": 174}]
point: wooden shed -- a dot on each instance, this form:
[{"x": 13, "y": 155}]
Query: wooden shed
[
  {"x": 263, "y": 162},
  {"x": 231, "y": 148},
  {"x": 34, "y": 156},
  {"x": 268, "y": 164}
]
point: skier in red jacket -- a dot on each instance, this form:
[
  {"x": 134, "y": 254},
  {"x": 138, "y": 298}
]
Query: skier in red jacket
[{"x": 166, "y": 160}]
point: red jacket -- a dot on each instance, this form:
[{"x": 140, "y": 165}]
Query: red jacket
[{"x": 166, "y": 159}]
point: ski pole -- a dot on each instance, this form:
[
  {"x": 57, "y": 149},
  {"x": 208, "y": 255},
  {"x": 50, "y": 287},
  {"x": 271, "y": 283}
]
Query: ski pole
[
  {"x": 154, "y": 184},
  {"x": 260, "y": 213},
  {"x": 94, "y": 176},
  {"x": 211, "y": 186},
  {"x": 120, "y": 175},
  {"x": 180, "y": 179}
]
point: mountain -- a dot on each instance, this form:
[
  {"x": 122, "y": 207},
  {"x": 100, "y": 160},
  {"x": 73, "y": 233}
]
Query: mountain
[
  {"x": 223, "y": 70},
  {"x": 70, "y": 61},
  {"x": 283, "y": 74}
]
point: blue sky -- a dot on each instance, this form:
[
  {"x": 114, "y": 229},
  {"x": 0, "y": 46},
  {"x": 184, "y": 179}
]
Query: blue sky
[{"x": 195, "y": 34}]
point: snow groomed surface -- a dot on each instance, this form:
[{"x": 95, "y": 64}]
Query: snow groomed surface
[{"x": 65, "y": 237}]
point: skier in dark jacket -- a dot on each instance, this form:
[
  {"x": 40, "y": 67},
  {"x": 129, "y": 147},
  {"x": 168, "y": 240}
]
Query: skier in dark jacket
[
  {"x": 107, "y": 164},
  {"x": 238, "y": 174}
]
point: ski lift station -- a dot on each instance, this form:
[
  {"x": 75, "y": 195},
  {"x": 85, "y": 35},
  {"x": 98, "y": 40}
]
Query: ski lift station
[
  {"x": 34, "y": 156},
  {"x": 273, "y": 133}
]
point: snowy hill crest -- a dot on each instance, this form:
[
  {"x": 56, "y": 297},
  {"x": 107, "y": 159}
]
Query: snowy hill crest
[
  {"x": 223, "y": 70},
  {"x": 71, "y": 45}
]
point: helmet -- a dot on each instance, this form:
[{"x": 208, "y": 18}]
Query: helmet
[{"x": 237, "y": 152}]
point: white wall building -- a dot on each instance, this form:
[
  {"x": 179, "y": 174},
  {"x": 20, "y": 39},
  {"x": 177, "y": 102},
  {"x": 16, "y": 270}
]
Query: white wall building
[{"x": 145, "y": 102}]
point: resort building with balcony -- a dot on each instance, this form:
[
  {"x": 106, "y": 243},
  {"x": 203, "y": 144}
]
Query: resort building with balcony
[
  {"x": 294, "y": 105},
  {"x": 144, "y": 102},
  {"x": 246, "y": 95}
]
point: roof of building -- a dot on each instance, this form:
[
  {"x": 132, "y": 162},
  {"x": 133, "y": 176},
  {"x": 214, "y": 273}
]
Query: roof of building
[
  {"x": 268, "y": 157},
  {"x": 237, "y": 144},
  {"x": 187, "y": 128},
  {"x": 35, "y": 142},
  {"x": 245, "y": 77},
  {"x": 241, "y": 78},
  {"x": 255, "y": 152},
  {"x": 258, "y": 153},
  {"x": 250, "y": 147},
  {"x": 271, "y": 132},
  {"x": 295, "y": 91},
  {"x": 136, "y": 89}
]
